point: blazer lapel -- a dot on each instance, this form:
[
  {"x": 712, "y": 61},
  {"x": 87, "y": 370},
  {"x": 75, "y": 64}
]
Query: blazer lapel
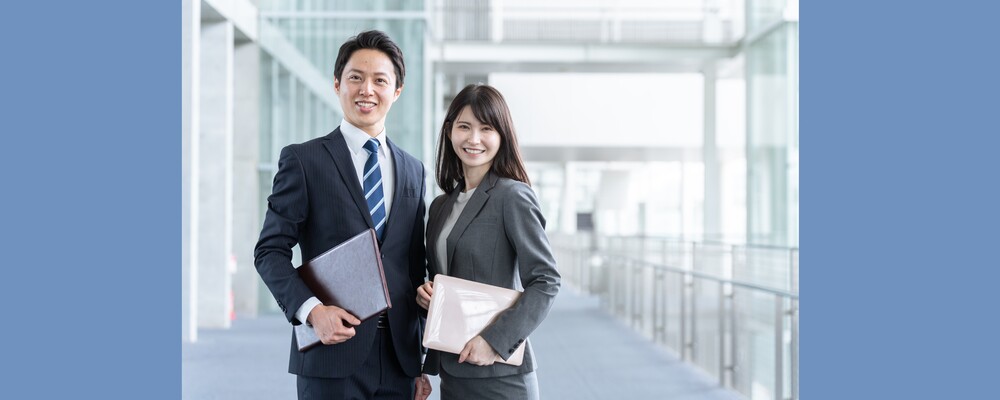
[
  {"x": 434, "y": 225},
  {"x": 337, "y": 147},
  {"x": 475, "y": 204},
  {"x": 434, "y": 220}
]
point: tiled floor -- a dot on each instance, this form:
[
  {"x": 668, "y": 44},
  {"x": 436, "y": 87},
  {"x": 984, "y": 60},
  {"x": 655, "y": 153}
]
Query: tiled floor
[{"x": 582, "y": 353}]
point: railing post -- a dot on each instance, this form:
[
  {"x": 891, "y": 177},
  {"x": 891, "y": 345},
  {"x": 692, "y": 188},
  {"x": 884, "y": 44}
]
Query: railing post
[
  {"x": 722, "y": 334},
  {"x": 684, "y": 335},
  {"x": 694, "y": 318},
  {"x": 659, "y": 307},
  {"x": 636, "y": 293},
  {"x": 605, "y": 277},
  {"x": 733, "y": 339},
  {"x": 779, "y": 331},
  {"x": 612, "y": 272},
  {"x": 621, "y": 282},
  {"x": 794, "y": 316}
]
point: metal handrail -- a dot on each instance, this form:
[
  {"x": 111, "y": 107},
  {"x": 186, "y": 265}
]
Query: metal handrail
[
  {"x": 712, "y": 277},
  {"x": 708, "y": 241},
  {"x": 671, "y": 304}
]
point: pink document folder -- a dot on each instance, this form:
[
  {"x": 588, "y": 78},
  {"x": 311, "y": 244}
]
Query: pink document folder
[{"x": 460, "y": 309}]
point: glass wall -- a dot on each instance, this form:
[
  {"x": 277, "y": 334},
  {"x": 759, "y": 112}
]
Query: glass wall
[{"x": 772, "y": 137}]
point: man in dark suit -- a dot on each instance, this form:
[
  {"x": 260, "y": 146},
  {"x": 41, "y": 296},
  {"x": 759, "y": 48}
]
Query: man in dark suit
[{"x": 329, "y": 189}]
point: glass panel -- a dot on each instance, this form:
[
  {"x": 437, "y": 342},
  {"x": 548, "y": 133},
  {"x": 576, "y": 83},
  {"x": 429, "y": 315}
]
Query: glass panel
[
  {"x": 712, "y": 258},
  {"x": 755, "y": 344},
  {"x": 769, "y": 267},
  {"x": 706, "y": 325},
  {"x": 673, "y": 291}
]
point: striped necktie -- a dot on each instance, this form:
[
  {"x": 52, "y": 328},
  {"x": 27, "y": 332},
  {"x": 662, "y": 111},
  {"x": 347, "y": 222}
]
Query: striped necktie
[{"x": 373, "y": 188}]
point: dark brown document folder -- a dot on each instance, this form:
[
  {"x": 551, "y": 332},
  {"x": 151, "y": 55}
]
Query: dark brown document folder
[{"x": 349, "y": 276}]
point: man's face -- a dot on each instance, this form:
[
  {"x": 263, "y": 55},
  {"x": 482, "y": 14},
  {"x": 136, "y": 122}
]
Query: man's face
[{"x": 367, "y": 89}]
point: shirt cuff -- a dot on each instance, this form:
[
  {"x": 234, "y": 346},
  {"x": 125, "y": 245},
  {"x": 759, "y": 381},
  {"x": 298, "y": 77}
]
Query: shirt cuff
[{"x": 303, "y": 314}]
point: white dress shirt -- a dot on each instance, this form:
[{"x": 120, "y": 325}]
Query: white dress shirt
[{"x": 356, "y": 139}]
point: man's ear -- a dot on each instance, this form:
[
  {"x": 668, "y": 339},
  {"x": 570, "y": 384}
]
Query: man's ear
[
  {"x": 336, "y": 86},
  {"x": 399, "y": 91}
]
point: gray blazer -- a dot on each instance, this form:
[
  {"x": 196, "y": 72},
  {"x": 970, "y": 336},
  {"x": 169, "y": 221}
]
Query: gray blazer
[{"x": 499, "y": 239}]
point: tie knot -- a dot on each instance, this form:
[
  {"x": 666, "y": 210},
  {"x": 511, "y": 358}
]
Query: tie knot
[{"x": 371, "y": 145}]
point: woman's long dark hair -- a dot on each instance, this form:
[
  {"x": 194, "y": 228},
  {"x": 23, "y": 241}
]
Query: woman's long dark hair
[{"x": 489, "y": 108}]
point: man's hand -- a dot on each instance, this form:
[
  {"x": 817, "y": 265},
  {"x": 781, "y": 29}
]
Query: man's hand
[
  {"x": 333, "y": 324},
  {"x": 478, "y": 352},
  {"x": 423, "y": 388},
  {"x": 424, "y": 293}
]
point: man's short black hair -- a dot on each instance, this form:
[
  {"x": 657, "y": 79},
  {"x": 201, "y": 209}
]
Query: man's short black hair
[{"x": 375, "y": 40}]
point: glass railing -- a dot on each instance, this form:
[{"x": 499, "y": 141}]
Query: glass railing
[{"x": 731, "y": 310}]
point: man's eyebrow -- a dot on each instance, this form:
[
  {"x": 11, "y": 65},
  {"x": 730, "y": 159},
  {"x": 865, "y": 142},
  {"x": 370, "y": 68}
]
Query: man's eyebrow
[{"x": 361, "y": 72}]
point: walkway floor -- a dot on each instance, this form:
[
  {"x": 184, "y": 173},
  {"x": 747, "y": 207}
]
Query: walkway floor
[{"x": 582, "y": 354}]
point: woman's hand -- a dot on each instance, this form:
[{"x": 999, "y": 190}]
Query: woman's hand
[
  {"x": 478, "y": 352},
  {"x": 424, "y": 293}
]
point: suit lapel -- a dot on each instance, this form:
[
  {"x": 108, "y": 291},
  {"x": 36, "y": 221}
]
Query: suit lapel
[
  {"x": 337, "y": 147},
  {"x": 397, "y": 166},
  {"x": 475, "y": 204}
]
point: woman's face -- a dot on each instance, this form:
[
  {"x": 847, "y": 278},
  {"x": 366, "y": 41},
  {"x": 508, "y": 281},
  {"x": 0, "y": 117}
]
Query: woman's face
[{"x": 475, "y": 143}]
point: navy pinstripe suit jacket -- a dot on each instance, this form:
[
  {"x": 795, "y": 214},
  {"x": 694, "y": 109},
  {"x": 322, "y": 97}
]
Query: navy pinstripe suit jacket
[{"x": 317, "y": 203}]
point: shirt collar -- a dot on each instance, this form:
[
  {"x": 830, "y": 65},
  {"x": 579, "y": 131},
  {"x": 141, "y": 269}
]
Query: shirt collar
[{"x": 356, "y": 138}]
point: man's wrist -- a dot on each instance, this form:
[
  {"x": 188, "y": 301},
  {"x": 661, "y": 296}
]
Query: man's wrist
[{"x": 306, "y": 309}]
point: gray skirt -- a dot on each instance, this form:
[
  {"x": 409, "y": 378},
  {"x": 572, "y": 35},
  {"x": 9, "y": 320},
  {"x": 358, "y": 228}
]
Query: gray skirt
[{"x": 522, "y": 386}]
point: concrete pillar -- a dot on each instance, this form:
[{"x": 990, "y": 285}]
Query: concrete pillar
[
  {"x": 567, "y": 200},
  {"x": 214, "y": 222},
  {"x": 711, "y": 24},
  {"x": 294, "y": 110},
  {"x": 440, "y": 108},
  {"x": 496, "y": 24},
  {"x": 712, "y": 224},
  {"x": 190, "y": 83},
  {"x": 246, "y": 193}
]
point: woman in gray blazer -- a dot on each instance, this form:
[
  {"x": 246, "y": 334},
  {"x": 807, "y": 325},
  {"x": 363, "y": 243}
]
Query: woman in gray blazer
[{"x": 487, "y": 227}]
